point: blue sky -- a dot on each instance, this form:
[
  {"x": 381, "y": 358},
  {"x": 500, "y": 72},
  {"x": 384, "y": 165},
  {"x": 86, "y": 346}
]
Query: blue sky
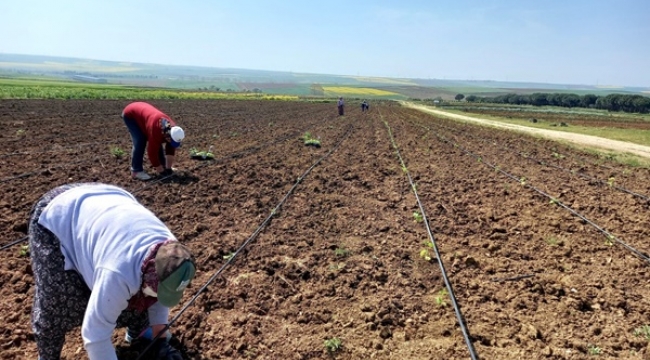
[{"x": 594, "y": 42}]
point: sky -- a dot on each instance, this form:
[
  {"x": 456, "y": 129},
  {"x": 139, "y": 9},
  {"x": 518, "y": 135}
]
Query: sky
[{"x": 591, "y": 42}]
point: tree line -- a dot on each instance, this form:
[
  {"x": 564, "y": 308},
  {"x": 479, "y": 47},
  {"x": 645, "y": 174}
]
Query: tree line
[{"x": 611, "y": 102}]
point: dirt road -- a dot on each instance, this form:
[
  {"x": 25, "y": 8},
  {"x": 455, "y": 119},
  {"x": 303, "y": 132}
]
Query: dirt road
[{"x": 586, "y": 140}]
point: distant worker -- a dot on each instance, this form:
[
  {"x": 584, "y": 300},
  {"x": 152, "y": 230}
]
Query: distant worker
[
  {"x": 150, "y": 128},
  {"x": 101, "y": 260},
  {"x": 341, "y": 106},
  {"x": 364, "y": 106}
]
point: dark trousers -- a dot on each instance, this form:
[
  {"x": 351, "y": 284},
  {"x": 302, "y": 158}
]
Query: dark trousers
[
  {"x": 61, "y": 296},
  {"x": 139, "y": 146}
]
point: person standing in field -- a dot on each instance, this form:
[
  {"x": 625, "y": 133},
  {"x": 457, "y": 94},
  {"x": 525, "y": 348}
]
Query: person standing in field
[
  {"x": 341, "y": 106},
  {"x": 364, "y": 106},
  {"x": 150, "y": 128},
  {"x": 101, "y": 260}
]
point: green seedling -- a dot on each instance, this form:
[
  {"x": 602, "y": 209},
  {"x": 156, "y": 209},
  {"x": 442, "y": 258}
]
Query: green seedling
[
  {"x": 558, "y": 156},
  {"x": 341, "y": 251},
  {"x": 313, "y": 142},
  {"x": 552, "y": 241},
  {"x": 610, "y": 240},
  {"x": 24, "y": 251},
  {"x": 594, "y": 350},
  {"x": 441, "y": 298},
  {"x": 426, "y": 252},
  {"x": 553, "y": 201},
  {"x": 309, "y": 140},
  {"x": 522, "y": 181},
  {"x": 337, "y": 266},
  {"x": 404, "y": 169},
  {"x": 610, "y": 181},
  {"x": 642, "y": 331},
  {"x": 229, "y": 256},
  {"x": 205, "y": 155},
  {"x": 20, "y": 132},
  {"x": 418, "y": 217},
  {"x": 117, "y": 152},
  {"x": 333, "y": 345}
]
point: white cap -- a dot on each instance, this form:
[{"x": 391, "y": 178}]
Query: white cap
[{"x": 177, "y": 134}]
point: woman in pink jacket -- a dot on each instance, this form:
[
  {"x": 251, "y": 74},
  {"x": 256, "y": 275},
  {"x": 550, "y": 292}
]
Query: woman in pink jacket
[{"x": 150, "y": 128}]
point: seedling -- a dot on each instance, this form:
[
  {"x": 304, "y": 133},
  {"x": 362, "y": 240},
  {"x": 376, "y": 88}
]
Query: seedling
[
  {"x": 610, "y": 181},
  {"x": 552, "y": 241},
  {"x": 201, "y": 155},
  {"x": 313, "y": 142},
  {"x": 558, "y": 156},
  {"x": 610, "y": 240},
  {"x": 441, "y": 298},
  {"x": 117, "y": 152},
  {"x": 426, "y": 253},
  {"x": 404, "y": 169},
  {"x": 642, "y": 331},
  {"x": 24, "y": 251},
  {"x": 418, "y": 217},
  {"x": 337, "y": 266},
  {"x": 333, "y": 345},
  {"x": 229, "y": 256},
  {"x": 553, "y": 201},
  {"x": 341, "y": 251},
  {"x": 522, "y": 181},
  {"x": 309, "y": 140},
  {"x": 594, "y": 350},
  {"x": 20, "y": 132}
]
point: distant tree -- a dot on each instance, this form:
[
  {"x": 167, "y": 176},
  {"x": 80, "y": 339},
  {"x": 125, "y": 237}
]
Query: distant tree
[
  {"x": 538, "y": 99},
  {"x": 459, "y": 97},
  {"x": 588, "y": 100},
  {"x": 471, "y": 98}
]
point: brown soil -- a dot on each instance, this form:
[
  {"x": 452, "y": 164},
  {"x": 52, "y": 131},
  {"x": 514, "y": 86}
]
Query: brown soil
[{"x": 341, "y": 257}]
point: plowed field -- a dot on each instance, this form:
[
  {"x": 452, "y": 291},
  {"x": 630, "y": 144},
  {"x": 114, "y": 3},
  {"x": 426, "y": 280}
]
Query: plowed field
[{"x": 342, "y": 256}]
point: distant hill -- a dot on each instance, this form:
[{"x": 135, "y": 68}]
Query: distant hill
[{"x": 274, "y": 82}]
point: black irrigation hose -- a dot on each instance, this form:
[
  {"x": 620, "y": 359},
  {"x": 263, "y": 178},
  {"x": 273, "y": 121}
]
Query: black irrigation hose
[
  {"x": 608, "y": 235},
  {"x": 459, "y": 315},
  {"x": 5, "y": 246},
  {"x": 247, "y": 241},
  {"x": 543, "y": 163}
]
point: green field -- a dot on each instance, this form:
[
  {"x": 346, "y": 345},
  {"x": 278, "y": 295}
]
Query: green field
[{"x": 209, "y": 79}]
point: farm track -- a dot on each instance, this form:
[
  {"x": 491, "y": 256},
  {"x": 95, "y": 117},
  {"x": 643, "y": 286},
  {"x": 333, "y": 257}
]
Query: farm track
[{"x": 341, "y": 257}]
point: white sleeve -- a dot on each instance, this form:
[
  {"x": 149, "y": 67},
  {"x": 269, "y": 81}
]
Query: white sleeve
[
  {"x": 158, "y": 314},
  {"x": 108, "y": 298}
]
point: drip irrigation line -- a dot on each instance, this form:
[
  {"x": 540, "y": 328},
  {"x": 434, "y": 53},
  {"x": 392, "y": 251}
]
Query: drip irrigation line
[
  {"x": 608, "y": 235},
  {"x": 250, "y": 239},
  {"x": 450, "y": 290},
  {"x": 5, "y": 246},
  {"x": 543, "y": 163}
]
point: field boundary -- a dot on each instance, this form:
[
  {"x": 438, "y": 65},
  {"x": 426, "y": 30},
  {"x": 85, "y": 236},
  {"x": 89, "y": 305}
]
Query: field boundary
[{"x": 586, "y": 140}]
